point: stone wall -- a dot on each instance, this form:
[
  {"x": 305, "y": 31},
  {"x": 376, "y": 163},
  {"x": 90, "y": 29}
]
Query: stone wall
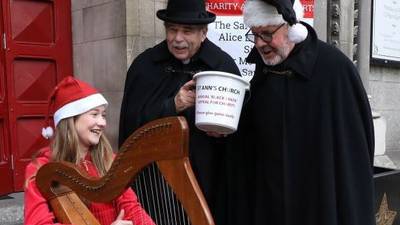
[
  {"x": 381, "y": 83},
  {"x": 144, "y": 29},
  {"x": 385, "y": 91},
  {"x": 107, "y": 35}
]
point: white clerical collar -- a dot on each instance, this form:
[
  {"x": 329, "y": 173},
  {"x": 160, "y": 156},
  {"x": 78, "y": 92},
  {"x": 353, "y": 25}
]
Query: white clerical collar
[{"x": 187, "y": 61}]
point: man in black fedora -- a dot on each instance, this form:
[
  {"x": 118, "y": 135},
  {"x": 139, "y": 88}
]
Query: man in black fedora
[{"x": 159, "y": 84}]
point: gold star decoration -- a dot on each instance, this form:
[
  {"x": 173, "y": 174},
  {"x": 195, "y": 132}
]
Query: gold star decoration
[{"x": 384, "y": 215}]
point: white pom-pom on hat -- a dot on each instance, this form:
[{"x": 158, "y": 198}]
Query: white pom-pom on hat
[
  {"x": 47, "y": 132},
  {"x": 259, "y": 13},
  {"x": 297, "y": 33}
]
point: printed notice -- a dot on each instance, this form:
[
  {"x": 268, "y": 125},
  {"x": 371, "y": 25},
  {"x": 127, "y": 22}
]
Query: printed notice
[
  {"x": 228, "y": 31},
  {"x": 386, "y": 30}
]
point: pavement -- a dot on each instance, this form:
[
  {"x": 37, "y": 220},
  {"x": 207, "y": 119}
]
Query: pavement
[
  {"x": 11, "y": 206},
  {"x": 391, "y": 159},
  {"x": 11, "y": 209}
]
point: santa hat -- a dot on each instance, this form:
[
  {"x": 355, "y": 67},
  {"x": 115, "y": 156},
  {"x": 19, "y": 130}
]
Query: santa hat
[
  {"x": 276, "y": 12},
  {"x": 69, "y": 98}
]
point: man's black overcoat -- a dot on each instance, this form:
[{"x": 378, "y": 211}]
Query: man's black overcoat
[
  {"x": 303, "y": 153},
  {"x": 152, "y": 81}
]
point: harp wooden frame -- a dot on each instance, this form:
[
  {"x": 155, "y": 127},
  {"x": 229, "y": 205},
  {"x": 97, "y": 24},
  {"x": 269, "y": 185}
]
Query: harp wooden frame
[{"x": 164, "y": 141}]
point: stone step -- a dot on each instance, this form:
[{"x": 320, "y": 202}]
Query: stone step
[{"x": 12, "y": 209}]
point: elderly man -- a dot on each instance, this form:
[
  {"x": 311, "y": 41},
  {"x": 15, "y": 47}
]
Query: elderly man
[
  {"x": 159, "y": 84},
  {"x": 304, "y": 149}
]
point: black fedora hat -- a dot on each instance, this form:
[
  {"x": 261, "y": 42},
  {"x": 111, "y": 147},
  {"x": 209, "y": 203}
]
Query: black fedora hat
[{"x": 186, "y": 12}]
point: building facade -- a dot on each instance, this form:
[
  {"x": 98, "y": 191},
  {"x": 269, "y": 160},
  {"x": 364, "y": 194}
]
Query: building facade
[{"x": 109, "y": 34}]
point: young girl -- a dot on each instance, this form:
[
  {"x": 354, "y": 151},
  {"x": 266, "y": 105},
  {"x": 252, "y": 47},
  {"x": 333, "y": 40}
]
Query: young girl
[{"x": 79, "y": 119}]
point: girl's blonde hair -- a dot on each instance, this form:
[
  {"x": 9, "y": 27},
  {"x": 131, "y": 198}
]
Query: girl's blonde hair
[{"x": 65, "y": 147}]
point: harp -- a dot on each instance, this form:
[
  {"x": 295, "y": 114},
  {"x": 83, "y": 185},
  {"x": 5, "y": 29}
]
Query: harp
[{"x": 163, "y": 141}]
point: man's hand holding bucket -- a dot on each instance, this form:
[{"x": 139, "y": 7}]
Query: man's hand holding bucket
[{"x": 186, "y": 96}]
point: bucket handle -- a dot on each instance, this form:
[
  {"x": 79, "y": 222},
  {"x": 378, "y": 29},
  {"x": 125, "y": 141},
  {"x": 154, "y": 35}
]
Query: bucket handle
[{"x": 247, "y": 96}]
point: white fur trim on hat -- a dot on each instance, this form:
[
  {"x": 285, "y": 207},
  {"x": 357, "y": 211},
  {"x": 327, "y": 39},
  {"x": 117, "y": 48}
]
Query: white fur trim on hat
[
  {"x": 258, "y": 13},
  {"x": 79, "y": 106}
]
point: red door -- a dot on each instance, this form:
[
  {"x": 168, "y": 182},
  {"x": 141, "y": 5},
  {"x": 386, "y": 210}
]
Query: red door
[
  {"x": 38, "y": 54},
  {"x": 5, "y": 156}
]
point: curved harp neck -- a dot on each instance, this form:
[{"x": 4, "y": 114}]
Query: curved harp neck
[{"x": 164, "y": 141}]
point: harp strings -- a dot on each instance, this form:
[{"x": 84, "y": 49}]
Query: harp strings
[{"x": 158, "y": 198}]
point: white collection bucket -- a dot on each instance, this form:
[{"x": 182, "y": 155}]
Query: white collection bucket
[{"x": 219, "y": 100}]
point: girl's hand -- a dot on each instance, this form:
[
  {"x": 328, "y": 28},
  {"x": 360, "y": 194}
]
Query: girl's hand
[{"x": 120, "y": 221}]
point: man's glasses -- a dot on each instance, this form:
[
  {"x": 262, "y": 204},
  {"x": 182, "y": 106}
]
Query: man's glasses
[{"x": 265, "y": 36}]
